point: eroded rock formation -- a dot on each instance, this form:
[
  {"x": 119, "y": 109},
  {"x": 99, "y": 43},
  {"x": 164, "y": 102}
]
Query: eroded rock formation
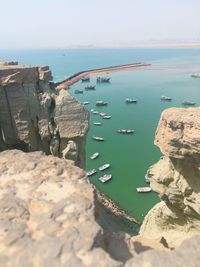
[
  {"x": 176, "y": 178},
  {"x": 33, "y": 116}
]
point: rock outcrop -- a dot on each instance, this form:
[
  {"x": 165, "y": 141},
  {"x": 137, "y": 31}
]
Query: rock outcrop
[
  {"x": 176, "y": 178},
  {"x": 33, "y": 116}
]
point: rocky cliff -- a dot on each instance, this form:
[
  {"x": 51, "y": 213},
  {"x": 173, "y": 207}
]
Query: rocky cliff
[
  {"x": 33, "y": 116},
  {"x": 176, "y": 178}
]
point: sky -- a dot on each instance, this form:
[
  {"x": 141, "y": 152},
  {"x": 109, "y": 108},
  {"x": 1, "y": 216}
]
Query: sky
[{"x": 74, "y": 23}]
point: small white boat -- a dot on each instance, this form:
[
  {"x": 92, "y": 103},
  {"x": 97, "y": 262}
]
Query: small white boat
[
  {"x": 104, "y": 167},
  {"x": 101, "y": 103},
  {"x": 125, "y": 131},
  {"x": 130, "y": 100},
  {"x": 94, "y": 156},
  {"x": 105, "y": 178},
  {"x": 86, "y": 79},
  {"x": 102, "y": 114},
  {"x": 91, "y": 172},
  {"x": 90, "y": 87},
  {"x": 85, "y": 103},
  {"x": 107, "y": 117},
  {"x": 148, "y": 176},
  {"x": 188, "y": 103},
  {"x": 145, "y": 189},
  {"x": 92, "y": 110},
  {"x": 97, "y": 138},
  {"x": 166, "y": 98},
  {"x": 97, "y": 123},
  {"x": 95, "y": 112}
]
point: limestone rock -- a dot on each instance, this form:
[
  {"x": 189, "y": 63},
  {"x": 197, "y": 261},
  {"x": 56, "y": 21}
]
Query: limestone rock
[
  {"x": 33, "y": 116},
  {"x": 178, "y": 132},
  {"x": 47, "y": 214},
  {"x": 176, "y": 178}
]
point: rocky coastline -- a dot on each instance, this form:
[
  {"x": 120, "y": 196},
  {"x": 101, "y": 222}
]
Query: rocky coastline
[{"x": 51, "y": 214}]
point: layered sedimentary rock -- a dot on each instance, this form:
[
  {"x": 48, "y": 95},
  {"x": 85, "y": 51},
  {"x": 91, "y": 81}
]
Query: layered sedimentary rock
[
  {"x": 33, "y": 116},
  {"x": 176, "y": 178}
]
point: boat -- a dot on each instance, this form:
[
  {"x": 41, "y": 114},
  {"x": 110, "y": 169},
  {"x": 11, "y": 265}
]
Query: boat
[
  {"x": 130, "y": 100},
  {"x": 166, "y": 98},
  {"x": 188, "y": 103},
  {"x": 102, "y": 114},
  {"x": 104, "y": 167},
  {"x": 125, "y": 131},
  {"x": 145, "y": 189},
  {"x": 92, "y": 110},
  {"x": 90, "y": 87},
  {"x": 103, "y": 80},
  {"x": 97, "y": 123},
  {"x": 95, "y": 112},
  {"x": 105, "y": 178},
  {"x": 107, "y": 117},
  {"x": 91, "y": 172},
  {"x": 101, "y": 103},
  {"x": 97, "y": 138},
  {"x": 86, "y": 79},
  {"x": 196, "y": 75},
  {"x": 85, "y": 103},
  {"x": 78, "y": 91},
  {"x": 94, "y": 156},
  {"x": 148, "y": 176}
]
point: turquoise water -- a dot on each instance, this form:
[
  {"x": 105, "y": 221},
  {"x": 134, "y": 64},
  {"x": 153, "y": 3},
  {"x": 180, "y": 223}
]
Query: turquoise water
[{"x": 130, "y": 156}]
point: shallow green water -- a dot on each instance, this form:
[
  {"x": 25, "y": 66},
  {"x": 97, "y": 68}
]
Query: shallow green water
[{"x": 130, "y": 156}]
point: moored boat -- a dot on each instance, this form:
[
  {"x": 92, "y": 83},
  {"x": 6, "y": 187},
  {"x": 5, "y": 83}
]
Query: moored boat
[
  {"x": 103, "y": 80},
  {"x": 86, "y": 79},
  {"x": 85, "y": 103},
  {"x": 125, "y": 131},
  {"x": 91, "y": 172},
  {"x": 148, "y": 176},
  {"x": 130, "y": 100},
  {"x": 188, "y": 103},
  {"x": 101, "y": 103},
  {"x": 105, "y": 178},
  {"x": 102, "y": 114},
  {"x": 145, "y": 189},
  {"x": 78, "y": 91},
  {"x": 107, "y": 117},
  {"x": 95, "y": 155},
  {"x": 97, "y": 123},
  {"x": 95, "y": 112},
  {"x": 90, "y": 87},
  {"x": 97, "y": 138},
  {"x": 166, "y": 98},
  {"x": 104, "y": 167}
]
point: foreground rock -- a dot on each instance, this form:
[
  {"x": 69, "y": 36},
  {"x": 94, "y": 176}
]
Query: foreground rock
[
  {"x": 47, "y": 214},
  {"x": 176, "y": 178},
  {"x": 33, "y": 116}
]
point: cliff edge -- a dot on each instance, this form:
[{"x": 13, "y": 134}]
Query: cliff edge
[
  {"x": 34, "y": 116},
  {"x": 176, "y": 178}
]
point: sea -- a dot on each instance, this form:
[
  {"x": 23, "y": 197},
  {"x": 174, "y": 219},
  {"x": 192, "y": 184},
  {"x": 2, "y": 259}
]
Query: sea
[{"x": 130, "y": 156}]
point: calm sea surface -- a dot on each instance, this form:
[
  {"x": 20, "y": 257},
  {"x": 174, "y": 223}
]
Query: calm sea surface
[{"x": 129, "y": 156}]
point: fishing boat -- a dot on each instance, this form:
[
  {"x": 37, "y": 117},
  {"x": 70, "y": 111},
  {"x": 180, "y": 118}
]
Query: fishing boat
[
  {"x": 107, "y": 117},
  {"x": 165, "y": 98},
  {"x": 85, "y": 103},
  {"x": 90, "y": 87},
  {"x": 102, "y": 114},
  {"x": 94, "y": 156},
  {"x": 145, "y": 189},
  {"x": 101, "y": 103},
  {"x": 86, "y": 79},
  {"x": 125, "y": 131},
  {"x": 104, "y": 167},
  {"x": 97, "y": 123},
  {"x": 78, "y": 91},
  {"x": 91, "y": 172},
  {"x": 95, "y": 112},
  {"x": 188, "y": 103},
  {"x": 103, "y": 80},
  {"x": 97, "y": 138},
  {"x": 105, "y": 178},
  {"x": 130, "y": 100}
]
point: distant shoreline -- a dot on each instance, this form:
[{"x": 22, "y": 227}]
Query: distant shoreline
[{"x": 94, "y": 72}]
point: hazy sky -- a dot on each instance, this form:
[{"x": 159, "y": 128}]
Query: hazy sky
[{"x": 63, "y": 23}]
